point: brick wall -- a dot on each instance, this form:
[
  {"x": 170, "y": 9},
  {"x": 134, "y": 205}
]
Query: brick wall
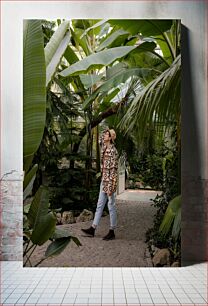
[{"x": 11, "y": 215}]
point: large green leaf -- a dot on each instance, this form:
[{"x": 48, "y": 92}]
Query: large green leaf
[
  {"x": 56, "y": 59},
  {"x": 70, "y": 55},
  {"x": 83, "y": 43},
  {"x": 94, "y": 29},
  {"x": 55, "y": 49},
  {"x": 57, "y": 246},
  {"x": 115, "y": 39},
  {"x": 145, "y": 60},
  {"x": 62, "y": 238},
  {"x": 88, "y": 80},
  {"x": 169, "y": 41},
  {"x": 94, "y": 26},
  {"x": 110, "y": 96},
  {"x": 97, "y": 60},
  {"x": 145, "y": 27},
  {"x": 112, "y": 71},
  {"x": 55, "y": 41},
  {"x": 43, "y": 229},
  {"x": 172, "y": 218},
  {"x": 72, "y": 58},
  {"x": 162, "y": 42},
  {"x": 27, "y": 160},
  {"x": 81, "y": 23},
  {"x": 34, "y": 90},
  {"x": 40, "y": 220},
  {"x": 61, "y": 233},
  {"x": 29, "y": 180},
  {"x": 76, "y": 241},
  {"x": 159, "y": 101},
  {"x": 116, "y": 80},
  {"x": 148, "y": 50}
]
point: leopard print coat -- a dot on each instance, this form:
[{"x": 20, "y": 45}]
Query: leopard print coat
[{"x": 109, "y": 168}]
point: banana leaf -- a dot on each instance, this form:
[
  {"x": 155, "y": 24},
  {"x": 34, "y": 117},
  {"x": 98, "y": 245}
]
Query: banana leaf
[
  {"x": 111, "y": 95},
  {"x": 56, "y": 59},
  {"x": 162, "y": 42},
  {"x": 52, "y": 45},
  {"x": 60, "y": 233},
  {"x": 55, "y": 49},
  {"x": 94, "y": 26},
  {"x": 145, "y": 27},
  {"x": 117, "y": 79},
  {"x": 83, "y": 43},
  {"x": 40, "y": 220},
  {"x": 70, "y": 55},
  {"x": 57, "y": 246},
  {"x": 72, "y": 58},
  {"x": 64, "y": 233},
  {"x": 112, "y": 71},
  {"x": 34, "y": 90},
  {"x": 29, "y": 180},
  {"x": 88, "y": 80},
  {"x": 97, "y": 60},
  {"x": 115, "y": 39}
]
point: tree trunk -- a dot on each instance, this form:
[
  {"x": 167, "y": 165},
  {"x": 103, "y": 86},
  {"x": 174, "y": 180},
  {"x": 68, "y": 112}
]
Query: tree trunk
[{"x": 110, "y": 111}]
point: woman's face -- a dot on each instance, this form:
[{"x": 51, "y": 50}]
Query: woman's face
[{"x": 107, "y": 136}]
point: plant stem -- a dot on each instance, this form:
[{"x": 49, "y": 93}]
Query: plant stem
[
  {"x": 169, "y": 45},
  {"x": 164, "y": 35},
  {"x": 28, "y": 258},
  {"x": 39, "y": 262},
  {"x": 26, "y": 249},
  {"x": 29, "y": 261},
  {"x": 158, "y": 55}
]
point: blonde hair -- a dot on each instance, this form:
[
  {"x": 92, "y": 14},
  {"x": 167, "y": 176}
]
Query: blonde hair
[{"x": 113, "y": 134}]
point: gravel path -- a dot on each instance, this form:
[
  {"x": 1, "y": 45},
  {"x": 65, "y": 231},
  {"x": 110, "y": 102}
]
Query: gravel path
[{"x": 127, "y": 250}]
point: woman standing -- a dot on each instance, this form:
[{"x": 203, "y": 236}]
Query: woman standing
[{"x": 109, "y": 168}]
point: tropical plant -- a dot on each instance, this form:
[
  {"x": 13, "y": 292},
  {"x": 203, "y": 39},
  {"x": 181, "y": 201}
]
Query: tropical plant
[
  {"x": 34, "y": 89},
  {"x": 159, "y": 101},
  {"x": 171, "y": 188},
  {"x": 40, "y": 226},
  {"x": 172, "y": 219},
  {"x": 124, "y": 73},
  {"x": 103, "y": 45},
  {"x": 38, "y": 68}
]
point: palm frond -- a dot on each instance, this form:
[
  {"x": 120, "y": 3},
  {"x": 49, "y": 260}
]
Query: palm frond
[{"x": 159, "y": 101}]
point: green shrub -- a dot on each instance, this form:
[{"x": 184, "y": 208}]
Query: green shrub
[{"x": 171, "y": 188}]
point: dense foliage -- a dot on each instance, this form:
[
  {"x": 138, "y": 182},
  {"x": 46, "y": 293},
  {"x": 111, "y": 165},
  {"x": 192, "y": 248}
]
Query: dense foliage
[
  {"x": 83, "y": 75},
  {"x": 171, "y": 188}
]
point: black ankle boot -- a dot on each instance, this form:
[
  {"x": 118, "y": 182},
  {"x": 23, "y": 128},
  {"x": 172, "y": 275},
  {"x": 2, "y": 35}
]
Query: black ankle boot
[
  {"x": 89, "y": 231},
  {"x": 110, "y": 235}
]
